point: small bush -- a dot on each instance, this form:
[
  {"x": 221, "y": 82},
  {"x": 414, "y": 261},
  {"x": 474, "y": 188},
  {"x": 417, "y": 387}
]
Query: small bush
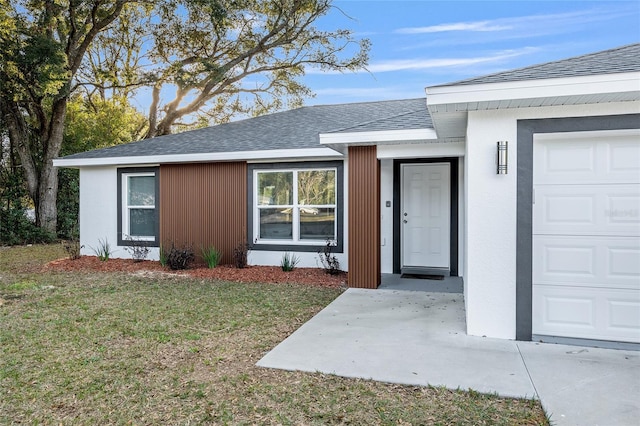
[
  {"x": 68, "y": 203},
  {"x": 15, "y": 227},
  {"x": 163, "y": 256},
  {"x": 241, "y": 254},
  {"x": 329, "y": 262},
  {"x": 139, "y": 249},
  {"x": 289, "y": 261},
  {"x": 211, "y": 256},
  {"x": 72, "y": 247},
  {"x": 180, "y": 258},
  {"x": 103, "y": 251}
]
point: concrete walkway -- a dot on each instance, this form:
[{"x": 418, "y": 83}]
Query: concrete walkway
[{"x": 418, "y": 338}]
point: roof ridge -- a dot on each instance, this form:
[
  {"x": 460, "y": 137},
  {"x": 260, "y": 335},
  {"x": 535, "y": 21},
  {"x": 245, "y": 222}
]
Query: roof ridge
[{"x": 362, "y": 102}]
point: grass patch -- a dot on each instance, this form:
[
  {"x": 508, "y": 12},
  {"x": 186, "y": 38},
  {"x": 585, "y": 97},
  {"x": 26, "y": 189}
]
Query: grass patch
[
  {"x": 118, "y": 348},
  {"x": 29, "y": 258}
]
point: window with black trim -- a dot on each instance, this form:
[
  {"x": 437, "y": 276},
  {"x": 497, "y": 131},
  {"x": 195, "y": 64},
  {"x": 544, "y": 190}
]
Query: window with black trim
[
  {"x": 297, "y": 205},
  {"x": 138, "y": 205}
]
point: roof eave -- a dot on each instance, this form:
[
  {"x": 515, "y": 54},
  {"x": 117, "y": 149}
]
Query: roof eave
[
  {"x": 276, "y": 154},
  {"x": 472, "y": 97},
  {"x": 449, "y": 105},
  {"x": 340, "y": 141}
]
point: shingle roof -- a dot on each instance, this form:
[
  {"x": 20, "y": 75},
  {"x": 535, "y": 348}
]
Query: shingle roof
[
  {"x": 619, "y": 60},
  {"x": 405, "y": 121},
  {"x": 295, "y": 129}
]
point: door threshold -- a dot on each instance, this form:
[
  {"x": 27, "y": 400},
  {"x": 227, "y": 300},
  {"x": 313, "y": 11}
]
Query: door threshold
[{"x": 416, "y": 271}]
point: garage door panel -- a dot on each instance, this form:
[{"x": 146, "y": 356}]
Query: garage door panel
[
  {"x": 587, "y": 210},
  {"x": 624, "y": 315},
  {"x": 606, "y": 262},
  {"x": 587, "y": 313},
  {"x": 577, "y": 159},
  {"x": 586, "y": 159},
  {"x": 624, "y": 208},
  {"x": 623, "y": 157}
]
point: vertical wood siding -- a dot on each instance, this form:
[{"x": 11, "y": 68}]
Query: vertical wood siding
[
  {"x": 203, "y": 205},
  {"x": 364, "y": 217}
]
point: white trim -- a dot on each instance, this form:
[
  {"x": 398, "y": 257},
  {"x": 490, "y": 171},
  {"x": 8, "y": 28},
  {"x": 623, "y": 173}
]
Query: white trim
[
  {"x": 377, "y": 137},
  {"x": 425, "y": 150},
  {"x": 295, "y": 207},
  {"x": 126, "y": 230},
  {"x": 589, "y": 134},
  {"x": 532, "y": 89},
  {"x": 198, "y": 158}
]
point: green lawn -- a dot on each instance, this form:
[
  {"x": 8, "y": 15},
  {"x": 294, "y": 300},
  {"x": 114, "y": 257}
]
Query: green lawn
[{"x": 78, "y": 348}]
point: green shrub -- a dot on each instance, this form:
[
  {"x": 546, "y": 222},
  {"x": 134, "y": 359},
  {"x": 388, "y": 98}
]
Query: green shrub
[
  {"x": 103, "y": 252},
  {"x": 68, "y": 203},
  {"x": 289, "y": 261},
  {"x": 163, "y": 255},
  {"x": 15, "y": 227},
  {"x": 211, "y": 256}
]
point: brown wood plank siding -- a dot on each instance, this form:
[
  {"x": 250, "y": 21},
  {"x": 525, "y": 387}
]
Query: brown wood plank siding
[
  {"x": 203, "y": 205},
  {"x": 364, "y": 217}
]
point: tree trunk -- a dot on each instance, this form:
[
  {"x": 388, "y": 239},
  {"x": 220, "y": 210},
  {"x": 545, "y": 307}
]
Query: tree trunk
[
  {"x": 46, "y": 211},
  {"x": 41, "y": 178},
  {"x": 46, "y": 206}
]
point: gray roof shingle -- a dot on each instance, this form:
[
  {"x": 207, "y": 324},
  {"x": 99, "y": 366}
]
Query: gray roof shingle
[
  {"x": 295, "y": 129},
  {"x": 618, "y": 60}
]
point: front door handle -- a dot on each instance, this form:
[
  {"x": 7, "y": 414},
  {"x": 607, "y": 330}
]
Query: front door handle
[{"x": 404, "y": 221}]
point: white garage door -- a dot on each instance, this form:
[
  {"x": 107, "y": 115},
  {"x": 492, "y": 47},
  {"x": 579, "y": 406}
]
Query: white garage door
[{"x": 586, "y": 235}]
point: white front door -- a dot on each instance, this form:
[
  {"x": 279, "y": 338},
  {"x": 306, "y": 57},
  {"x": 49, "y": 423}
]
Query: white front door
[{"x": 425, "y": 215}]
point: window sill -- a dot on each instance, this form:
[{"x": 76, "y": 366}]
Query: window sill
[{"x": 293, "y": 247}]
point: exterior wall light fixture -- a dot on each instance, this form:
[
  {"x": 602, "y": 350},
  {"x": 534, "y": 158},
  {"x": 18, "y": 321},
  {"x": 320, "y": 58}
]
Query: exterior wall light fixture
[{"x": 501, "y": 157}]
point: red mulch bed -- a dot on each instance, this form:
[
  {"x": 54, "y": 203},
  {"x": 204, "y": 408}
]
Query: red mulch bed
[{"x": 261, "y": 274}]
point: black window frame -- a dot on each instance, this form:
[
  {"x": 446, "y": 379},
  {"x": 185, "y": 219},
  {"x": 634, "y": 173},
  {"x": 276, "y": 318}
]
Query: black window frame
[
  {"x": 298, "y": 165},
  {"x": 132, "y": 170}
]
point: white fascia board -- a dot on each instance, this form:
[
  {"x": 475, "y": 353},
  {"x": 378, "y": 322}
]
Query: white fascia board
[
  {"x": 379, "y": 137},
  {"x": 275, "y": 154},
  {"x": 531, "y": 89}
]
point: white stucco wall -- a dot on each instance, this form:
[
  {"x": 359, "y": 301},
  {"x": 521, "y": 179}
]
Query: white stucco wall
[
  {"x": 386, "y": 216},
  {"x": 307, "y": 259},
  {"x": 99, "y": 212},
  {"x": 490, "y": 216}
]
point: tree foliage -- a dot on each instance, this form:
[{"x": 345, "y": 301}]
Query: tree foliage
[
  {"x": 93, "y": 122},
  {"x": 208, "y": 60},
  {"x": 42, "y": 45}
]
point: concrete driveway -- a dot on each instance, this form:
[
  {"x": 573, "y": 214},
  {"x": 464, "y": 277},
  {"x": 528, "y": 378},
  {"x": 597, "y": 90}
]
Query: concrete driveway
[{"x": 418, "y": 338}]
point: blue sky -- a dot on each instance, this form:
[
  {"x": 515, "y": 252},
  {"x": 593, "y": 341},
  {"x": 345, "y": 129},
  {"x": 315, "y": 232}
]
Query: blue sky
[{"x": 422, "y": 42}]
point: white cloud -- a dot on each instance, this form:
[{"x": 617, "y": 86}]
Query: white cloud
[
  {"x": 531, "y": 25},
  {"x": 417, "y": 64},
  {"x": 481, "y": 26},
  {"x": 366, "y": 92}
]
